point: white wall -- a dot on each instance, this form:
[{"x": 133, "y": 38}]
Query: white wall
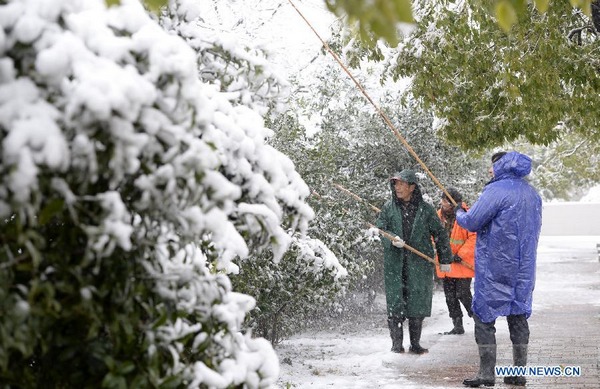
[{"x": 571, "y": 218}]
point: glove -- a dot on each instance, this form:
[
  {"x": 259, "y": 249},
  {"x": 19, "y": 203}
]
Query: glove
[
  {"x": 398, "y": 242},
  {"x": 456, "y": 258},
  {"x": 445, "y": 268},
  {"x": 459, "y": 207}
]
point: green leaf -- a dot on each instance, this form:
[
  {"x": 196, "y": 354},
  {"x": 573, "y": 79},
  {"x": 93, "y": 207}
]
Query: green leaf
[
  {"x": 152, "y": 5},
  {"x": 576, "y": 3},
  {"x": 34, "y": 253},
  {"x": 506, "y": 15},
  {"x": 542, "y": 5},
  {"x": 586, "y": 7},
  {"x": 51, "y": 209},
  {"x": 171, "y": 382},
  {"x": 126, "y": 368},
  {"x": 404, "y": 11},
  {"x": 161, "y": 321},
  {"x": 155, "y": 5}
]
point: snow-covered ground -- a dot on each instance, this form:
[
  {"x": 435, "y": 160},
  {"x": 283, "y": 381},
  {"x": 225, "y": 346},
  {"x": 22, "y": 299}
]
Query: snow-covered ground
[{"x": 356, "y": 355}]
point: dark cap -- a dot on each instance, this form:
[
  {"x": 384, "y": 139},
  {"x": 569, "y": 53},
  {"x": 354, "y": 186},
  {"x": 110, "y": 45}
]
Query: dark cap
[
  {"x": 406, "y": 175},
  {"x": 455, "y": 195}
]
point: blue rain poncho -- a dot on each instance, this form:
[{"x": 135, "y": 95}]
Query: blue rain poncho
[{"x": 507, "y": 218}]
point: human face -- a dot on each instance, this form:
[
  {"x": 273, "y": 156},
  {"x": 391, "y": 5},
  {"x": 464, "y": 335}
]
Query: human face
[
  {"x": 491, "y": 170},
  {"x": 403, "y": 190},
  {"x": 446, "y": 205}
]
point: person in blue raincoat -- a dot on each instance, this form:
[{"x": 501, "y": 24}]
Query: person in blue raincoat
[{"x": 507, "y": 218}]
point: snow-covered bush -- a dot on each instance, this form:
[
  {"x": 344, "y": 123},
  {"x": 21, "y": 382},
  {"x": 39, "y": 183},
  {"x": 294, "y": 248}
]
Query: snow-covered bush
[
  {"x": 309, "y": 277},
  {"x": 128, "y": 188},
  {"x": 227, "y": 58}
]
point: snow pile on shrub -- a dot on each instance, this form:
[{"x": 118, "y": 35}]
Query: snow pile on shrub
[{"x": 123, "y": 170}]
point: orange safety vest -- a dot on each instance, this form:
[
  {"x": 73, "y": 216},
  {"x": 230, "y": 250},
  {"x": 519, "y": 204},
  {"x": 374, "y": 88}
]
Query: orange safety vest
[{"x": 462, "y": 242}]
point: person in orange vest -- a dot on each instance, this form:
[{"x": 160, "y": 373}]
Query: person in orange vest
[{"x": 457, "y": 282}]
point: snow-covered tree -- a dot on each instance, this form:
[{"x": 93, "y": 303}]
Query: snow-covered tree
[
  {"x": 129, "y": 188},
  {"x": 227, "y": 58},
  {"x": 565, "y": 169},
  {"x": 309, "y": 275},
  {"x": 335, "y": 136}
]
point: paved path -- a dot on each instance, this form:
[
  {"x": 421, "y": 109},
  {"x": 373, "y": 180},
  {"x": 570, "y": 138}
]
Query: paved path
[
  {"x": 568, "y": 336},
  {"x": 565, "y": 330}
]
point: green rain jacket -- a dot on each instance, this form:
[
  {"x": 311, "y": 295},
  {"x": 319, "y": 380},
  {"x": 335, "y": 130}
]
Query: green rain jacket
[{"x": 412, "y": 297}]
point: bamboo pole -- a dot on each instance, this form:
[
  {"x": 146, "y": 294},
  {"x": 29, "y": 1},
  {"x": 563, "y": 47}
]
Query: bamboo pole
[
  {"x": 382, "y": 232},
  {"x": 409, "y": 248},
  {"x": 413, "y": 250},
  {"x": 387, "y": 234},
  {"x": 357, "y": 197},
  {"x": 377, "y": 108}
]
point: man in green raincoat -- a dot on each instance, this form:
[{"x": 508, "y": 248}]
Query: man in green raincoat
[{"x": 408, "y": 277}]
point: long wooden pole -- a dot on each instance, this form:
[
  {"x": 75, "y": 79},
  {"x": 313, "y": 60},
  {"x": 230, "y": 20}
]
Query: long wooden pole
[
  {"x": 357, "y": 197},
  {"x": 409, "y": 248},
  {"x": 377, "y": 108},
  {"x": 387, "y": 234},
  {"x": 380, "y": 231},
  {"x": 412, "y": 249}
]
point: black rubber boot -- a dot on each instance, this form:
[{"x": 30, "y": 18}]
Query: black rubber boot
[
  {"x": 458, "y": 327},
  {"x": 415, "y": 325},
  {"x": 396, "y": 333},
  {"x": 519, "y": 359},
  {"x": 487, "y": 366}
]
